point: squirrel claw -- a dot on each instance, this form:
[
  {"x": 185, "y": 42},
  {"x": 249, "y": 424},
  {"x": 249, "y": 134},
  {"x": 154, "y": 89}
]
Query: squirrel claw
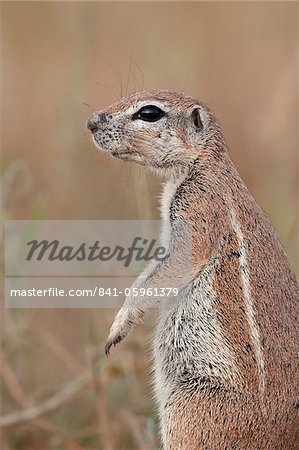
[{"x": 112, "y": 341}]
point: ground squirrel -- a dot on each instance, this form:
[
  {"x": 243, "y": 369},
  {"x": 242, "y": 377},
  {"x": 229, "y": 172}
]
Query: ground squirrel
[{"x": 226, "y": 348}]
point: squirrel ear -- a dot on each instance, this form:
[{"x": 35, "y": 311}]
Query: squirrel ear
[{"x": 196, "y": 119}]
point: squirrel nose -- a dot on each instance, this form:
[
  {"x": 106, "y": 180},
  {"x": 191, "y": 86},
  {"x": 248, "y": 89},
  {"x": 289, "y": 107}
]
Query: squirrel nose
[{"x": 95, "y": 120}]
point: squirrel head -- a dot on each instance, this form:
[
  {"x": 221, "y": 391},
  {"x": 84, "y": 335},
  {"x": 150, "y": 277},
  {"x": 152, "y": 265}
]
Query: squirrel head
[{"x": 163, "y": 130}]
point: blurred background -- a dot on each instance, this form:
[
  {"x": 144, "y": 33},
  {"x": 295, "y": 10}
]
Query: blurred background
[{"x": 60, "y": 62}]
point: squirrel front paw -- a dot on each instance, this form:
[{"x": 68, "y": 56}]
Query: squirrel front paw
[{"x": 121, "y": 326}]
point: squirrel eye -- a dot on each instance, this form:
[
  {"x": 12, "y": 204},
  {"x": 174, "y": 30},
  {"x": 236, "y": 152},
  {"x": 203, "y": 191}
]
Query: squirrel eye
[{"x": 149, "y": 113}]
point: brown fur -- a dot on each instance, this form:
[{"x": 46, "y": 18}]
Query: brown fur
[{"x": 217, "y": 414}]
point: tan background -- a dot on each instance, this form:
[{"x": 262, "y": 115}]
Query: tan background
[{"x": 241, "y": 59}]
